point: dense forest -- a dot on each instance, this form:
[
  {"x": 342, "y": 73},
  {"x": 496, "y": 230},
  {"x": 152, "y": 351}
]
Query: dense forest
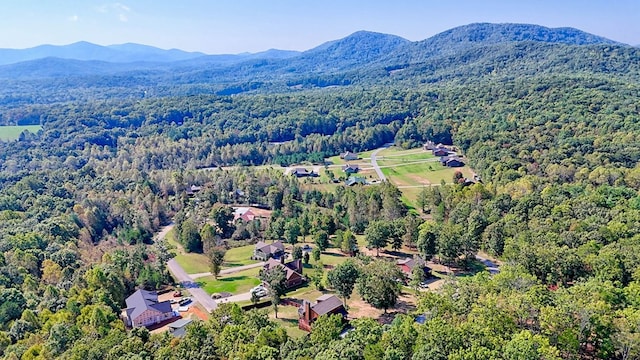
[{"x": 548, "y": 120}]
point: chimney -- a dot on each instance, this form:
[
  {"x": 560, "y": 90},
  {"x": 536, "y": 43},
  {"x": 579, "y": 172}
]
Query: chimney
[{"x": 307, "y": 312}]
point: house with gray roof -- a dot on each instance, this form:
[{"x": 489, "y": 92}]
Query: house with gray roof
[
  {"x": 325, "y": 305},
  {"x": 178, "y": 327},
  {"x": 143, "y": 309},
  {"x": 264, "y": 251}
]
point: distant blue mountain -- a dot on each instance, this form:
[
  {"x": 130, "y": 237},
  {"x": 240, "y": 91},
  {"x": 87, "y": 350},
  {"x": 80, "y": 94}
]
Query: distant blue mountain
[{"x": 86, "y": 51}]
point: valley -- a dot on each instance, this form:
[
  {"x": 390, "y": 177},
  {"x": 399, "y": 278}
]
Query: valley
[{"x": 473, "y": 195}]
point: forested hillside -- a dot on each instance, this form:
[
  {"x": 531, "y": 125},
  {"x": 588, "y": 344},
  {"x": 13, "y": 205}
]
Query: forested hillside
[{"x": 549, "y": 119}]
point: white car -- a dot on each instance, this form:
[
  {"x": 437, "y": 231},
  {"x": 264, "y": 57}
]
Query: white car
[{"x": 259, "y": 291}]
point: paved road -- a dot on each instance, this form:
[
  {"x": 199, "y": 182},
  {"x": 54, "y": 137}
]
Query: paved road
[
  {"x": 492, "y": 267},
  {"x": 194, "y": 289},
  {"x": 374, "y": 161},
  {"x": 197, "y": 294},
  {"x": 230, "y": 270}
]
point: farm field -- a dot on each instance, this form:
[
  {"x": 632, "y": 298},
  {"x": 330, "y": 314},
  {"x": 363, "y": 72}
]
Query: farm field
[{"x": 13, "y": 132}]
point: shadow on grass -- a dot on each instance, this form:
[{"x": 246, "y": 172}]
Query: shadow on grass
[
  {"x": 333, "y": 254},
  {"x": 224, "y": 279},
  {"x": 398, "y": 253},
  {"x": 232, "y": 264}
]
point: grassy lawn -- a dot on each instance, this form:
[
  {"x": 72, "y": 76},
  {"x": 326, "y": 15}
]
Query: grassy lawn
[
  {"x": 192, "y": 263},
  {"x": 239, "y": 256},
  {"x": 422, "y": 174},
  {"x": 404, "y": 157},
  {"x": 235, "y": 283},
  {"x": 335, "y": 160},
  {"x": 307, "y": 292},
  {"x": 288, "y": 319},
  {"x": 395, "y": 151},
  {"x": 13, "y": 132}
]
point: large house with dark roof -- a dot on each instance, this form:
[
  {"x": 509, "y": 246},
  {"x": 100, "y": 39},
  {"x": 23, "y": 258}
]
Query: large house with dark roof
[
  {"x": 451, "y": 161},
  {"x": 143, "y": 309},
  {"x": 325, "y": 305},
  {"x": 264, "y": 251},
  {"x": 350, "y": 168},
  {"x": 292, "y": 269}
]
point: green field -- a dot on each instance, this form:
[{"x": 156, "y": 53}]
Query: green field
[
  {"x": 235, "y": 283},
  {"x": 239, "y": 256},
  {"x": 421, "y": 174},
  {"x": 363, "y": 157},
  {"x": 406, "y": 157},
  {"x": 13, "y": 132},
  {"x": 192, "y": 263}
]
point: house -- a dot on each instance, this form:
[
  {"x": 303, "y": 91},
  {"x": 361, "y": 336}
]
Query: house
[
  {"x": 293, "y": 271},
  {"x": 243, "y": 213},
  {"x": 454, "y": 162},
  {"x": 349, "y": 156},
  {"x": 406, "y": 265},
  {"x": 192, "y": 190},
  {"x": 325, "y": 305},
  {"x": 353, "y": 180},
  {"x": 143, "y": 309},
  {"x": 264, "y": 251},
  {"x": 350, "y": 169},
  {"x": 178, "y": 328},
  {"x": 428, "y": 146},
  {"x": 302, "y": 172},
  {"x": 440, "y": 152}
]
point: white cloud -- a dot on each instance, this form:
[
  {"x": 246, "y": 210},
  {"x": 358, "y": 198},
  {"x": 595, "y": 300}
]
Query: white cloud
[
  {"x": 73, "y": 18},
  {"x": 120, "y": 9}
]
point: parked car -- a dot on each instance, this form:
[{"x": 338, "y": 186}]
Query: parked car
[
  {"x": 259, "y": 291},
  {"x": 184, "y": 301},
  {"x": 177, "y": 294}
]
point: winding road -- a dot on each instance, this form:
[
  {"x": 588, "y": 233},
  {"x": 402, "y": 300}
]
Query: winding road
[
  {"x": 374, "y": 161},
  {"x": 191, "y": 286},
  {"x": 186, "y": 281}
]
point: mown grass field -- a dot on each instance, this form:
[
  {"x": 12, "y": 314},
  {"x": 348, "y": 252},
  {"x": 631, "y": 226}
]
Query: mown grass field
[
  {"x": 235, "y": 283},
  {"x": 191, "y": 263},
  {"x": 13, "y": 132},
  {"x": 406, "y": 158},
  {"x": 362, "y": 157},
  {"x": 288, "y": 319},
  {"x": 239, "y": 256}
]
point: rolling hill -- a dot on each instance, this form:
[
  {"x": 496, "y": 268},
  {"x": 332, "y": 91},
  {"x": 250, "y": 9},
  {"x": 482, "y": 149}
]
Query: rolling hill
[{"x": 497, "y": 50}]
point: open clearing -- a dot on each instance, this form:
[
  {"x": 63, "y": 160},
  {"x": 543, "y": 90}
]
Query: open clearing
[
  {"x": 13, "y": 132},
  {"x": 192, "y": 263},
  {"x": 235, "y": 283},
  {"x": 238, "y": 256},
  {"x": 410, "y": 170}
]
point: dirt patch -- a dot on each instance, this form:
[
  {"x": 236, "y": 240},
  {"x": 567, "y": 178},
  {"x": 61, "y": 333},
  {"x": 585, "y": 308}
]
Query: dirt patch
[{"x": 359, "y": 308}]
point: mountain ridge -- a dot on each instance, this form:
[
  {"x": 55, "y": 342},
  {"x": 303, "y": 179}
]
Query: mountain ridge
[
  {"x": 376, "y": 42},
  {"x": 363, "y": 57}
]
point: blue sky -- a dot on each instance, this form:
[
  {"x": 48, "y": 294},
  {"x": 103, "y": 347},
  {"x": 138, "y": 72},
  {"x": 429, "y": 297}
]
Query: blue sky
[{"x": 234, "y": 26}]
